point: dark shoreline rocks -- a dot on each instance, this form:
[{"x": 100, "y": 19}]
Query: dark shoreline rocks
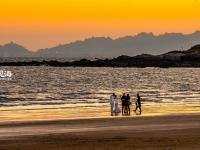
[{"x": 189, "y": 58}]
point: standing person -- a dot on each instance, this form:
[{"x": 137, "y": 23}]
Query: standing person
[
  {"x": 128, "y": 99},
  {"x": 112, "y": 99},
  {"x": 138, "y": 103},
  {"x": 123, "y": 99},
  {"x": 116, "y": 107}
]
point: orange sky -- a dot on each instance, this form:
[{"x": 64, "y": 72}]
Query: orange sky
[{"x": 45, "y": 23}]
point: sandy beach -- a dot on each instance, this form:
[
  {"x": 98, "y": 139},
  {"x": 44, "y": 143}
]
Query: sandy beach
[{"x": 164, "y": 132}]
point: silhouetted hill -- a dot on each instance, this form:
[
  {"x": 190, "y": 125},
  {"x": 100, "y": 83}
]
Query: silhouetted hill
[
  {"x": 92, "y": 47},
  {"x": 174, "y": 55},
  {"x": 189, "y": 58},
  {"x": 129, "y": 45},
  {"x": 13, "y": 50},
  {"x": 105, "y": 47},
  {"x": 194, "y": 50}
]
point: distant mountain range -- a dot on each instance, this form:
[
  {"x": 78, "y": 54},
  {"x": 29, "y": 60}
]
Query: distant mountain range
[
  {"x": 189, "y": 58},
  {"x": 14, "y": 50},
  {"x": 105, "y": 47}
]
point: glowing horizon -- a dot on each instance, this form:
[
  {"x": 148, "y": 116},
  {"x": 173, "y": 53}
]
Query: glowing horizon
[{"x": 37, "y": 24}]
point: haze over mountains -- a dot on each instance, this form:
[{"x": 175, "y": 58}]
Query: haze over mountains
[
  {"x": 106, "y": 47},
  {"x": 188, "y": 58}
]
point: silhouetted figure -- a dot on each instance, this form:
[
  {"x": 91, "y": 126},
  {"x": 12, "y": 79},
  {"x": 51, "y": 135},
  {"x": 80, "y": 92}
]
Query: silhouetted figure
[
  {"x": 112, "y": 101},
  {"x": 123, "y": 99},
  {"x": 127, "y": 105},
  {"x": 138, "y": 103},
  {"x": 116, "y": 108}
]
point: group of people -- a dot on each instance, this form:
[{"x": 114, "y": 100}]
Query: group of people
[{"x": 125, "y": 102}]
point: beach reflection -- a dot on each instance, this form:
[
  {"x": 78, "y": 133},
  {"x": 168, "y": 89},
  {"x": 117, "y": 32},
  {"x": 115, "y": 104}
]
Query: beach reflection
[
  {"x": 71, "y": 112},
  {"x": 54, "y": 92}
]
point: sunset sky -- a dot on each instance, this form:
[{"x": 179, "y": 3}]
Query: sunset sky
[{"x": 45, "y": 23}]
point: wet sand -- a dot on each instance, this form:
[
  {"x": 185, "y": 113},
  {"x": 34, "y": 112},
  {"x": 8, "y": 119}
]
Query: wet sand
[
  {"x": 165, "y": 132},
  {"x": 55, "y": 112}
]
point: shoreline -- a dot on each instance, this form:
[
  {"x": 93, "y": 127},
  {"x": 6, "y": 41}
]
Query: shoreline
[
  {"x": 63, "y": 112},
  {"x": 44, "y": 121}
]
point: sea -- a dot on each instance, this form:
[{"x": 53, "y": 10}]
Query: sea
[{"x": 88, "y": 87}]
